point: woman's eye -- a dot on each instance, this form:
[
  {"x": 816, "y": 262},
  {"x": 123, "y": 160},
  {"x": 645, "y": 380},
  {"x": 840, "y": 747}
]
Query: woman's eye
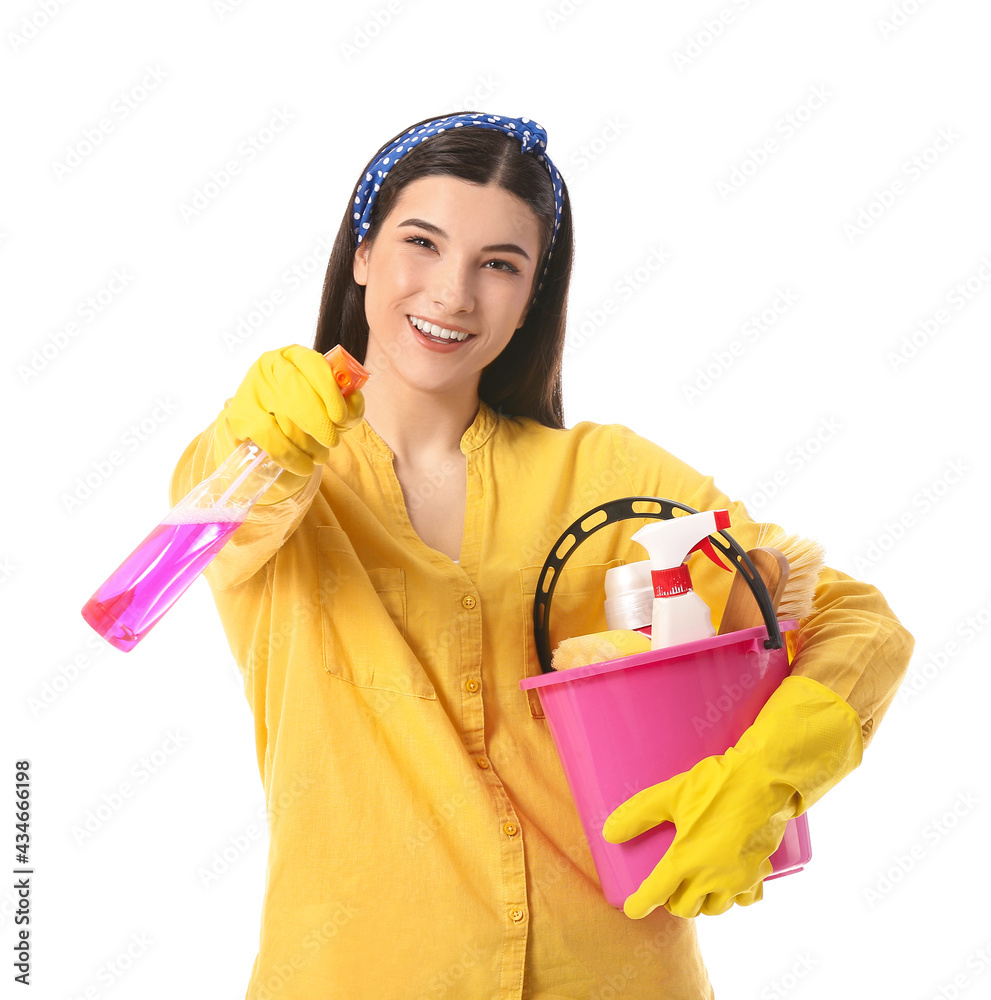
[
  {"x": 420, "y": 241},
  {"x": 503, "y": 265}
]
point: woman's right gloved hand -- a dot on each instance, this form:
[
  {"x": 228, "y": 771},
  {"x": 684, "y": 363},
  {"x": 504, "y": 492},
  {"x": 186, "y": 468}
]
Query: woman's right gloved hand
[{"x": 291, "y": 406}]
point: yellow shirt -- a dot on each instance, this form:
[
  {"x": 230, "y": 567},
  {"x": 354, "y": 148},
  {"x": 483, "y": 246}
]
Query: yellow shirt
[{"x": 423, "y": 841}]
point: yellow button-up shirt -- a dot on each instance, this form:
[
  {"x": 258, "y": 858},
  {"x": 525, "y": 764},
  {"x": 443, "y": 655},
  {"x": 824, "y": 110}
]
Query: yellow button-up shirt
[{"x": 423, "y": 841}]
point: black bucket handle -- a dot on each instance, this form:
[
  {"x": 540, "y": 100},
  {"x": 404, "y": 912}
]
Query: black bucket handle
[{"x": 622, "y": 510}]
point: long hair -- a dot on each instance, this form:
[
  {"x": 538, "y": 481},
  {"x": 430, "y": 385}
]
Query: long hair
[{"x": 525, "y": 379}]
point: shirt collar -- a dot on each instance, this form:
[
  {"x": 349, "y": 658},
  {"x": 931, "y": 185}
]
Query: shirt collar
[{"x": 481, "y": 429}]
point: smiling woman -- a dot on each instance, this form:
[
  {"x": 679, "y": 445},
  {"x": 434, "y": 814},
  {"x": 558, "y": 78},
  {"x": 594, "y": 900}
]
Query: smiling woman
[{"x": 380, "y": 602}]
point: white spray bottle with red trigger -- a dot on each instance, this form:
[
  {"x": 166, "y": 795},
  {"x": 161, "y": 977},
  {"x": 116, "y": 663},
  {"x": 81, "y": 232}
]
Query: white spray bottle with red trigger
[{"x": 679, "y": 614}]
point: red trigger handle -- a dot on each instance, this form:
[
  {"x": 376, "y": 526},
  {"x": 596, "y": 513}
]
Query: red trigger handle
[{"x": 706, "y": 546}]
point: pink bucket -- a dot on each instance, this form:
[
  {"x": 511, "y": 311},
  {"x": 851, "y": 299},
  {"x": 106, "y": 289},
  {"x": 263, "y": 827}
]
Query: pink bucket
[{"x": 627, "y": 724}]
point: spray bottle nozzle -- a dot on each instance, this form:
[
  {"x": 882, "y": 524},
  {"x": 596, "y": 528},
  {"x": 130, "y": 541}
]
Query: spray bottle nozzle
[
  {"x": 721, "y": 518},
  {"x": 669, "y": 543},
  {"x": 706, "y": 546},
  {"x": 350, "y": 375}
]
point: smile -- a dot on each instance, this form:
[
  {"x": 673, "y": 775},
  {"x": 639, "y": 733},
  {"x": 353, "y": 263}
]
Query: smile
[{"x": 435, "y": 332}]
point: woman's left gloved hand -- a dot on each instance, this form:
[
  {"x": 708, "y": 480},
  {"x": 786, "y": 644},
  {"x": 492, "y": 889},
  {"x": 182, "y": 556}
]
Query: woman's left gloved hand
[{"x": 730, "y": 810}]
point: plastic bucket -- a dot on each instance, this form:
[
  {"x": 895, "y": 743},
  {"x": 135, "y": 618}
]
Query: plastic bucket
[{"x": 629, "y": 723}]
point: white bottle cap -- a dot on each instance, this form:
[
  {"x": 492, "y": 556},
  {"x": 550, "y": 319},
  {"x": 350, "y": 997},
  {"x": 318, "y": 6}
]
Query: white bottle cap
[{"x": 629, "y": 596}]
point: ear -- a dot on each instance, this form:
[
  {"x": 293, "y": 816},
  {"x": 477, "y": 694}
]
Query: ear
[{"x": 360, "y": 265}]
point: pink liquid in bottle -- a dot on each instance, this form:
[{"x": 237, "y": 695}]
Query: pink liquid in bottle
[{"x": 155, "y": 575}]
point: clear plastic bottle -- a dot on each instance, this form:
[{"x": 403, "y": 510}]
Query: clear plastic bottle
[
  {"x": 630, "y": 597},
  {"x": 156, "y": 574}
]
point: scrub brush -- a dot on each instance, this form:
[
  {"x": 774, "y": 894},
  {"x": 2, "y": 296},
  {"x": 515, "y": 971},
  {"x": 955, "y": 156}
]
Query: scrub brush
[
  {"x": 598, "y": 647},
  {"x": 790, "y": 569}
]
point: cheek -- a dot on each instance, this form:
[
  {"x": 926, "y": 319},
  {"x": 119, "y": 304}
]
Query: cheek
[
  {"x": 404, "y": 270},
  {"x": 512, "y": 303},
  {"x": 388, "y": 285}
]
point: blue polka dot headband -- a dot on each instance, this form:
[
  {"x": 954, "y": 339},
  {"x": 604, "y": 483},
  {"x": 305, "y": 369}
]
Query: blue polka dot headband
[{"x": 529, "y": 134}]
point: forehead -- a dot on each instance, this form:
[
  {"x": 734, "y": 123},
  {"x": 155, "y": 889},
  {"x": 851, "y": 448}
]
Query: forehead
[{"x": 440, "y": 198}]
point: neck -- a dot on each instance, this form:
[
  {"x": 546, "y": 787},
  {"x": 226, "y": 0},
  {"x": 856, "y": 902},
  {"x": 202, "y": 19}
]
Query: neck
[{"x": 419, "y": 427}]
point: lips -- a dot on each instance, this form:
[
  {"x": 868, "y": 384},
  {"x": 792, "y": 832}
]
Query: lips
[{"x": 437, "y": 333}]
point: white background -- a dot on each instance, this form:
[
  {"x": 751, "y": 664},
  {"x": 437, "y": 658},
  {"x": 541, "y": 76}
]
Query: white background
[{"x": 821, "y": 422}]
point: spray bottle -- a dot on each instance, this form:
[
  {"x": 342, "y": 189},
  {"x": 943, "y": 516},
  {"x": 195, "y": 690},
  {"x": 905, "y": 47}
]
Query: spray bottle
[
  {"x": 158, "y": 572},
  {"x": 679, "y": 614}
]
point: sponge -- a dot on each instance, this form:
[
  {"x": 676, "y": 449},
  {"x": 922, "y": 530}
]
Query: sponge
[{"x": 599, "y": 647}]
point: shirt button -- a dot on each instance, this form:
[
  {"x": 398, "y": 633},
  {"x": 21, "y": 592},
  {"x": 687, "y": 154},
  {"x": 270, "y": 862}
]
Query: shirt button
[
  {"x": 483, "y": 763},
  {"x": 471, "y": 686},
  {"x": 468, "y": 601},
  {"x": 511, "y": 829},
  {"x": 517, "y": 914}
]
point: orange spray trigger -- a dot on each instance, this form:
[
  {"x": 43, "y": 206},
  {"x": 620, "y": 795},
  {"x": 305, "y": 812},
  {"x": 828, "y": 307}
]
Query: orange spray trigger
[{"x": 350, "y": 375}]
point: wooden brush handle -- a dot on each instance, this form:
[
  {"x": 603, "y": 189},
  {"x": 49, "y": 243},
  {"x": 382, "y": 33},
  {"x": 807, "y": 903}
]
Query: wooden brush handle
[{"x": 742, "y": 610}]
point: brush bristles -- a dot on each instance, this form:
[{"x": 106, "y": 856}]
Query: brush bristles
[{"x": 805, "y": 561}]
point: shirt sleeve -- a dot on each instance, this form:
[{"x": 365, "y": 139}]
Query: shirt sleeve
[
  {"x": 268, "y": 524},
  {"x": 852, "y": 642}
]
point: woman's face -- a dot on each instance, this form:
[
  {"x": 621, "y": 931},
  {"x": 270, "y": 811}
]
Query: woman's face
[{"x": 457, "y": 256}]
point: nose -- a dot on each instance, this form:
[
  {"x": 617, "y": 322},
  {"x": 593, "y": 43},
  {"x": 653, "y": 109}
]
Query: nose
[{"x": 453, "y": 289}]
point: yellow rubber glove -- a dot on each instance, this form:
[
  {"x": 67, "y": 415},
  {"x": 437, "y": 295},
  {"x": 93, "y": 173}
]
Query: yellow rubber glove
[
  {"x": 730, "y": 810},
  {"x": 291, "y": 406}
]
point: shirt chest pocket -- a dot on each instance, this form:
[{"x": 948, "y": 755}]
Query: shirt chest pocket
[
  {"x": 363, "y": 621},
  {"x": 576, "y": 608}
]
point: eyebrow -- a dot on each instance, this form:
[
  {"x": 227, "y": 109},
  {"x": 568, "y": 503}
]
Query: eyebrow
[{"x": 437, "y": 231}]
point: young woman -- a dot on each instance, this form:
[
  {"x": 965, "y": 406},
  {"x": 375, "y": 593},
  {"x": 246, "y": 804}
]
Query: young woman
[{"x": 423, "y": 841}]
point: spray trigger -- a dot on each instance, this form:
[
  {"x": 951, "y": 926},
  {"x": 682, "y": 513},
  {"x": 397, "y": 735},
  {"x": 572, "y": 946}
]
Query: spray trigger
[{"x": 706, "y": 546}]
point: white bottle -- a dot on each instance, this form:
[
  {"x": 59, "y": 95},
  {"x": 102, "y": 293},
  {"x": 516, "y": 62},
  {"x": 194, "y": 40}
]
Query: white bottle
[{"x": 679, "y": 614}]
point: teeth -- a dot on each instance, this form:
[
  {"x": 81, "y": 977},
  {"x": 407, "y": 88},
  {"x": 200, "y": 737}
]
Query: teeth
[{"x": 433, "y": 330}]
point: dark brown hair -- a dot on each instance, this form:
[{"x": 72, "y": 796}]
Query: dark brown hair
[{"x": 525, "y": 379}]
